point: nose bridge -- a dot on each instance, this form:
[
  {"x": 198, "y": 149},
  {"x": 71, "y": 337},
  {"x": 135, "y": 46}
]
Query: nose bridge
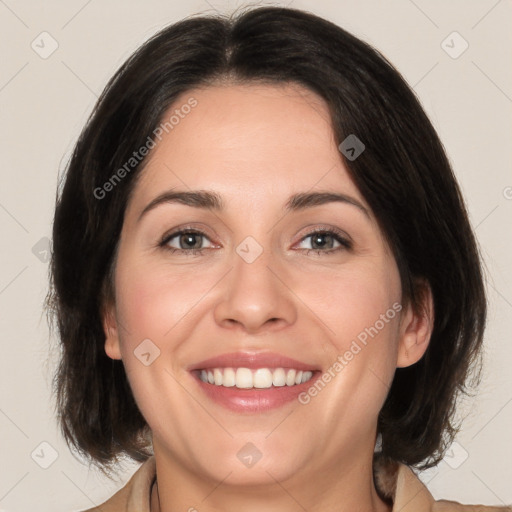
[{"x": 254, "y": 297}]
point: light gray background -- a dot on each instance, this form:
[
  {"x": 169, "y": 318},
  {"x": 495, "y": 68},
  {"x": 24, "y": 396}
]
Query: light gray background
[{"x": 45, "y": 102}]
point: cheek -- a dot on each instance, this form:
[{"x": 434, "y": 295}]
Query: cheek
[
  {"x": 152, "y": 301},
  {"x": 156, "y": 304},
  {"x": 359, "y": 302},
  {"x": 360, "y": 310}
]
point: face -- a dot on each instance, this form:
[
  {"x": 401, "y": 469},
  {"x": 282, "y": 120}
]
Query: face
[{"x": 277, "y": 274}]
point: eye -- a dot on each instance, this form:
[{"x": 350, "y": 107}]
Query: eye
[
  {"x": 326, "y": 241},
  {"x": 185, "y": 241},
  {"x": 190, "y": 242}
]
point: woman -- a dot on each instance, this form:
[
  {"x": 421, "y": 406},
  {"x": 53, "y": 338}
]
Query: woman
[{"x": 263, "y": 264}]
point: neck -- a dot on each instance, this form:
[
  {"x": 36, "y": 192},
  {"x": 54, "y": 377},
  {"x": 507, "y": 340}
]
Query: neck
[{"x": 335, "y": 489}]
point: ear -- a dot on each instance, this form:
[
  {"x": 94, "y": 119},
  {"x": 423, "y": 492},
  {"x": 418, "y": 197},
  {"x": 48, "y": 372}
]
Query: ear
[
  {"x": 416, "y": 328},
  {"x": 110, "y": 327}
]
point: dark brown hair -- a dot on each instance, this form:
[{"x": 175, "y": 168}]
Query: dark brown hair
[{"x": 403, "y": 174}]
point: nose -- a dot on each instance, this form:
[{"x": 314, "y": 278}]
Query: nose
[{"x": 255, "y": 297}]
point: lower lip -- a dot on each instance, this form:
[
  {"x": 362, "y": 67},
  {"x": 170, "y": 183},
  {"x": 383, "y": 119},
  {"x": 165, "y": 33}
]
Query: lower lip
[{"x": 254, "y": 400}]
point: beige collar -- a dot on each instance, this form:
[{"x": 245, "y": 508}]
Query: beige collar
[
  {"x": 398, "y": 483},
  {"x": 411, "y": 493}
]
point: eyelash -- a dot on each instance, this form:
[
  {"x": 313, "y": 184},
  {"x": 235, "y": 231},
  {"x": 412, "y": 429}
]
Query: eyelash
[{"x": 337, "y": 235}]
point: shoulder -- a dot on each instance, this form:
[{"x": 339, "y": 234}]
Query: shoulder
[
  {"x": 454, "y": 506},
  {"x": 134, "y": 496},
  {"x": 400, "y": 484}
]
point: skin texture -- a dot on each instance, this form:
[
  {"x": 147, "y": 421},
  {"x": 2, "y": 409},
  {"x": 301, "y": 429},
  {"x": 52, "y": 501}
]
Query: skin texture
[{"x": 256, "y": 145}]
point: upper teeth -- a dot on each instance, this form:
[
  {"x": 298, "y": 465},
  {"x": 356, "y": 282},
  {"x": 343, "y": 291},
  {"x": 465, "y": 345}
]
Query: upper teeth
[{"x": 246, "y": 378}]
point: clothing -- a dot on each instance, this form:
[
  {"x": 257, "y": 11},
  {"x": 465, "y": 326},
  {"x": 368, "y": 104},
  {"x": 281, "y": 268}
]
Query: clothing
[{"x": 394, "y": 481}]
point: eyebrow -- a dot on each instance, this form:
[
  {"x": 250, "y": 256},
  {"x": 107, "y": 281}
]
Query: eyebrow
[{"x": 209, "y": 200}]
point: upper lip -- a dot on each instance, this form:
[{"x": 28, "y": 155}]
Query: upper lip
[{"x": 252, "y": 360}]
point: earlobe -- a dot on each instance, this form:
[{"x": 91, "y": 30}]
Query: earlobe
[
  {"x": 112, "y": 346},
  {"x": 416, "y": 329}
]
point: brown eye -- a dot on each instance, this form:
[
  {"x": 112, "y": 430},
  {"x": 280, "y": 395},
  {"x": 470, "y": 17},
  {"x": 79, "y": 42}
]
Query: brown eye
[
  {"x": 190, "y": 241},
  {"x": 322, "y": 241},
  {"x": 185, "y": 241},
  {"x": 325, "y": 241}
]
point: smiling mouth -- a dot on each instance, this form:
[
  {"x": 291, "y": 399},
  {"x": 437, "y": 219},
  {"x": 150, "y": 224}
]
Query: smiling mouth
[
  {"x": 253, "y": 382},
  {"x": 257, "y": 378}
]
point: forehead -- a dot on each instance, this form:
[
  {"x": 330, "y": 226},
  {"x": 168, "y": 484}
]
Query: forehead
[{"x": 262, "y": 140}]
